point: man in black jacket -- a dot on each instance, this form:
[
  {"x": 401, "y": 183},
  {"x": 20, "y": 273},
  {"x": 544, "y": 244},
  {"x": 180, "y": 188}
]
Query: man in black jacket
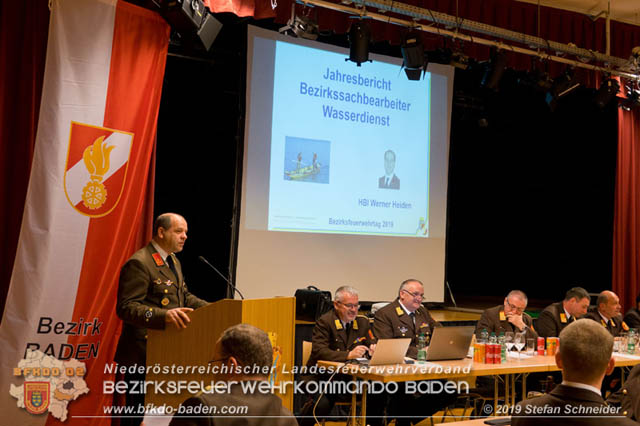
[
  {"x": 584, "y": 358},
  {"x": 245, "y": 397}
]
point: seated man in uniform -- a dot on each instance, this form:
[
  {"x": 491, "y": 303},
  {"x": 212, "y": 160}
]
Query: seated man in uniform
[
  {"x": 508, "y": 317},
  {"x": 632, "y": 317},
  {"x": 402, "y": 318},
  {"x": 584, "y": 356},
  {"x": 557, "y": 316},
  {"x": 607, "y": 313},
  {"x": 339, "y": 335},
  {"x": 243, "y": 349},
  {"x": 628, "y": 396}
]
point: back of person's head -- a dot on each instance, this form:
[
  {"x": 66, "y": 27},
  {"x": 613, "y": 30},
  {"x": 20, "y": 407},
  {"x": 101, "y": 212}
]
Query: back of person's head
[
  {"x": 585, "y": 350},
  {"x": 249, "y": 345},
  {"x": 577, "y": 293}
]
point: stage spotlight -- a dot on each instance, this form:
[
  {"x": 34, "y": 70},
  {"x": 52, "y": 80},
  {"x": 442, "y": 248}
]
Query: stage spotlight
[
  {"x": 607, "y": 92},
  {"x": 494, "y": 71},
  {"x": 359, "y": 37},
  {"x": 302, "y": 26},
  {"x": 413, "y": 56},
  {"x": 305, "y": 27},
  {"x": 562, "y": 86},
  {"x": 632, "y": 99}
]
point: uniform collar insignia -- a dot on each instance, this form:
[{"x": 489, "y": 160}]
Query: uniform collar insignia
[
  {"x": 563, "y": 317},
  {"x": 400, "y": 311},
  {"x": 158, "y": 259},
  {"x": 503, "y": 317},
  {"x": 355, "y": 324},
  {"x": 338, "y": 324}
]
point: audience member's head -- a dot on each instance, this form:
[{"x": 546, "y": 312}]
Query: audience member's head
[
  {"x": 585, "y": 352},
  {"x": 608, "y": 304},
  {"x": 247, "y": 347},
  {"x": 346, "y": 304},
  {"x": 576, "y": 301}
]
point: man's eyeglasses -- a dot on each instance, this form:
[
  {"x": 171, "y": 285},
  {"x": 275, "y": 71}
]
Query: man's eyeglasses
[
  {"x": 350, "y": 305},
  {"x": 414, "y": 295},
  {"x": 515, "y": 308}
]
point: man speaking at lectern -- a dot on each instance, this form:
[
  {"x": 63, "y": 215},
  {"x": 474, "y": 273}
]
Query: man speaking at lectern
[{"x": 152, "y": 294}]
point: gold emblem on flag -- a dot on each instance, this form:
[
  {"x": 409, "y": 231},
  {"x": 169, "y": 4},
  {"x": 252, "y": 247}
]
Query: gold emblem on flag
[{"x": 96, "y": 160}]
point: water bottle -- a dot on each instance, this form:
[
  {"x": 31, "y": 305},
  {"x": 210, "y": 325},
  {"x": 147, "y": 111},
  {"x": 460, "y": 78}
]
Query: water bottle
[
  {"x": 427, "y": 334},
  {"x": 631, "y": 341},
  {"x": 503, "y": 347},
  {"x": 484, "y": 336},
  {"x": 422, "y": 347},
  {"x": 492, "y": 338}
]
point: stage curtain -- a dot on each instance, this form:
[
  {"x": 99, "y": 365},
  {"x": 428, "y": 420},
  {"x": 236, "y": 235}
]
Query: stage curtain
[
  {"x": 626, "y": 229},
  {"x": 23, "y": 44}
]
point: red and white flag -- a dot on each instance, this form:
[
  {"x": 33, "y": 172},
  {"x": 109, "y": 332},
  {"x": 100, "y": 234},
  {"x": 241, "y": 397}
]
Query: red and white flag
[{"x": 88, "y": 206}]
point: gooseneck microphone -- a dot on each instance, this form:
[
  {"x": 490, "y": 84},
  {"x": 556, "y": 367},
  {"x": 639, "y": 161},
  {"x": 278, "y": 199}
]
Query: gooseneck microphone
[{"x": 229, "y": 283}]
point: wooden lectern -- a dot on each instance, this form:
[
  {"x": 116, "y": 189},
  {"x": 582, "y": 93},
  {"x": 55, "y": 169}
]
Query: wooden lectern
[{"x": 194, "y": 346}]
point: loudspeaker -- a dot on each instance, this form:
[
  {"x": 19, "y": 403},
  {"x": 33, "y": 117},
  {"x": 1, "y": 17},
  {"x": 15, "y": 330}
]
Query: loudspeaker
[
  {"x": 184, "y": 15},
  {"x": 209, "y": 31}
]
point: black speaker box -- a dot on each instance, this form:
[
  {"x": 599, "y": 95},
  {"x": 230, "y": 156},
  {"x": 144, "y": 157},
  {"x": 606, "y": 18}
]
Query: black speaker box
[
  {"x": 209, "y": 31},
  {"x": 184, "y": 15}
]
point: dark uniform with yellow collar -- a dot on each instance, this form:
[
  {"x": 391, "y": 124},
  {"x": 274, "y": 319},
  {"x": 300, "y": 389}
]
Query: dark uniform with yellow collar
[
  {"x": 552, "y": 320},
  {"x": 393, "y": 322},
  {"x": 615, "y": 325},
  {"x": 148, "y": 288},
  {"x": 494, "y": 319},
  {"x": 332, "y": 341}
]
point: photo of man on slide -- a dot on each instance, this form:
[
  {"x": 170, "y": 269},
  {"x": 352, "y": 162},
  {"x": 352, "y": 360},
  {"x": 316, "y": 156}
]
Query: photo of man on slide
[{"x": 389, "y": 180}]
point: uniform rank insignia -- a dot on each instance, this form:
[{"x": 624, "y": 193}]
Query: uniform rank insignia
[
  {"x": 604, "y": 324},
  {"x": 423, "y": 325},
  {"x": 625, "y": 326},
  {"x": 563, "y": 318},
  {"x": 503, "y": 317},
  {"x": 158, "y": 259},
  {"x": 399, "y": 311},
  {"x": 355, "y": 324},
  {"x": 168, "y": 282},
  {"x": 358, "y": 340},
  {"x": 613, "y": 324},
  {"x": 338, "y": 325},
  {"x": 165, "y": 301},
  {"x": 158, "y": 281},
  {"x": 403, "y": 329}
]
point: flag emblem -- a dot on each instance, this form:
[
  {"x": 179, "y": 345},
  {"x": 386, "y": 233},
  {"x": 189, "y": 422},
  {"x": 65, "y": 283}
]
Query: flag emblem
[
  {"x": 36, "y": 399},
  {"x": 96, "y": 169}
]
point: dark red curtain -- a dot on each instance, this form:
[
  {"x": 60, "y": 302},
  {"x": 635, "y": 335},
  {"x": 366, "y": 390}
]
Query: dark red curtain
[
  {"x": 626, "y": 231},
  {"x": 23, "y": 43}
]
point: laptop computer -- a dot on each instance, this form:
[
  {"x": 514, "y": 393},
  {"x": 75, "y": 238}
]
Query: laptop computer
[
  {"x": 449, "y": 343},
  {"x": 389, "y": 351}
]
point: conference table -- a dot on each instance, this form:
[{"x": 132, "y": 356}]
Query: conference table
[{"x": 507, "y": 372}]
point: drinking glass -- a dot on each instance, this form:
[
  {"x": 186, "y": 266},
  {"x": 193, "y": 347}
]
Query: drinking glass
[
  {"x": 519, "y": 342},
  {"x": 508, "y": 342},
  {"x": 531, "y": 346}
]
